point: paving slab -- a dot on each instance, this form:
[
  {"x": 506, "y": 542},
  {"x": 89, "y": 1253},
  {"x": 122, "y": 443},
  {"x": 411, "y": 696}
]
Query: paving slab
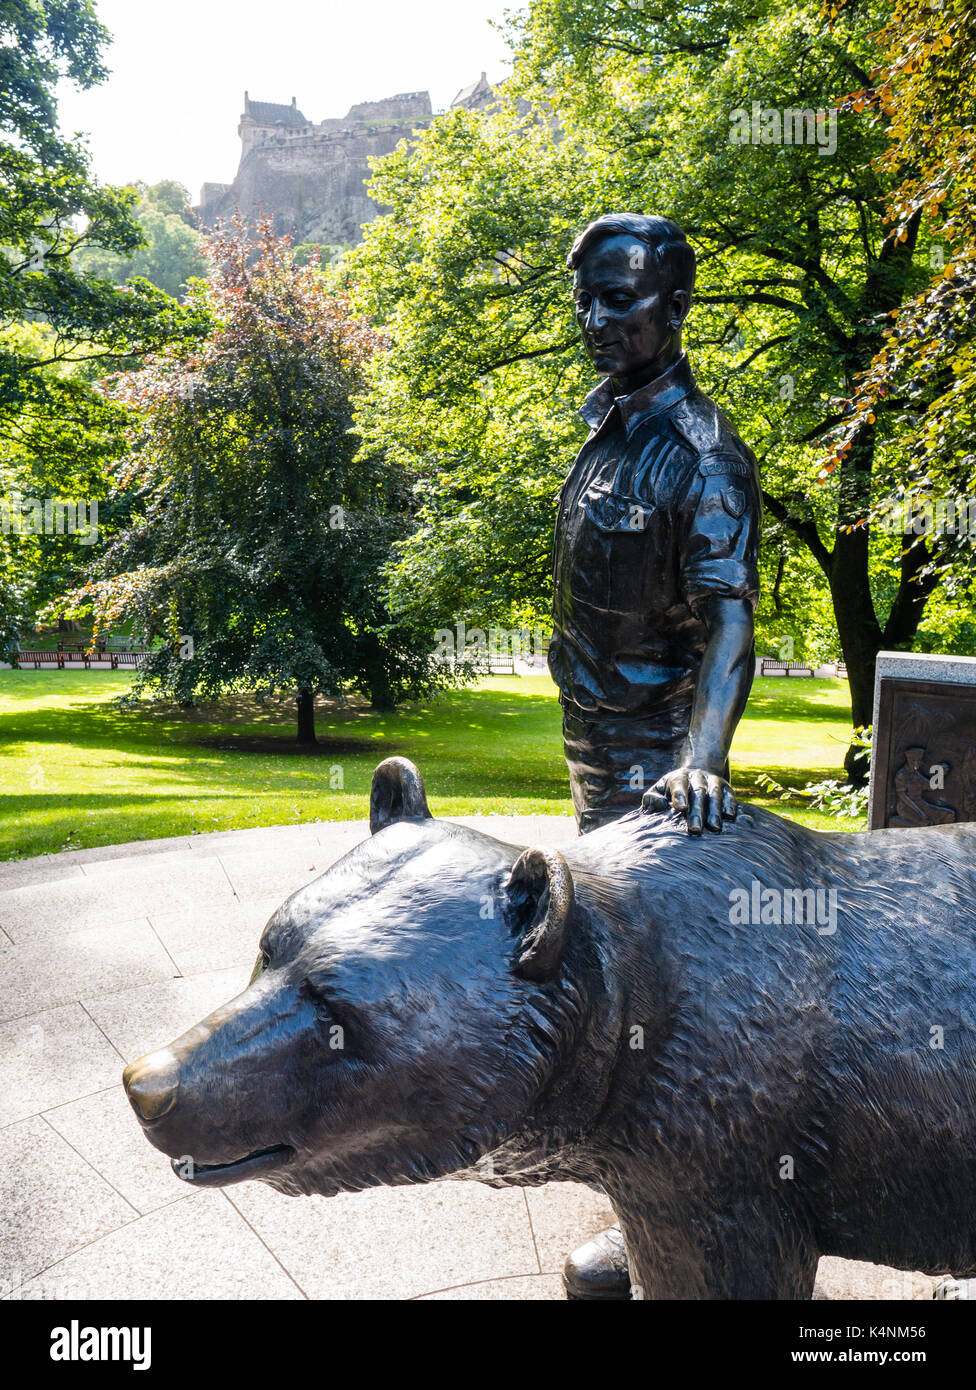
[
  {"x": 52, "y": 1057},
  {"x": 111, "y": 892},
  {"x": 198, "y": 1248},
  {"x": 53, "y": 1202},
  {"x": 50, "y": 868},
  {"x": 34, "y": 911},
  {"x": 215, "y": 938},
  {"x": 523, "y": 830},
  {"x": 254, "y": 875},
  {"x": 142, "y": 1019},
  {"x": 393, "y": 1242},
  {"x": 269, "y": 837},
  {"x": 102, "y": 1129},
  {"x": 565, "y": 1215},
  {"x": 39, "y": 975},
  {"x": 166, "y": 884},
  {"x": 71, "y": 862},
  {"x": 157, "y": 850},
  {"x": 849, "y": 1280},
  {"x": 515, "y": 1289}
]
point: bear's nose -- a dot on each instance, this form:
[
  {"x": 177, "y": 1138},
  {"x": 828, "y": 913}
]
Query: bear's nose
[{"x": 151, "y": 1084}]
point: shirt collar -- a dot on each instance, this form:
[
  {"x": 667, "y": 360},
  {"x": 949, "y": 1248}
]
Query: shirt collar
[{"x": 658, "y": 395}]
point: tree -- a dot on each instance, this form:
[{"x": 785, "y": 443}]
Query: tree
[
  {"x": 56, "y": 448},
  {"x": 258, "y": 548},
  {"x": 623, "y": 105},
  {"x": 171, "y": 197},
  {"x": 50, "y": 206},
  {"x": 924, "y": 88},
  {"x": 59, "y": 324},
  {"x": 323, "y": 253},
  {"x": 14, "y": 602},
  {"x": 171, "y": 254},
  {"x": 476, "y": 394}
]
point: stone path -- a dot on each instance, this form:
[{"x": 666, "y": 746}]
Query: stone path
[{"x": 108, "y": 953}]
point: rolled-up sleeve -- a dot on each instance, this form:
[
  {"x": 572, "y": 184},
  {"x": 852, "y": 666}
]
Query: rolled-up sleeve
[{"x": 722, "y": 517}]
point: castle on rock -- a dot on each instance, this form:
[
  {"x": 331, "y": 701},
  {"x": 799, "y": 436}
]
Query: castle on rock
[{"x": 311, "y": 177}]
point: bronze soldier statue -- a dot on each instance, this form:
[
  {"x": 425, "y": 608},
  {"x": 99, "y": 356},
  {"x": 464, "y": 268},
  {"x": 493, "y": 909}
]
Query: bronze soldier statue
[{"x": 655, "y": 572}]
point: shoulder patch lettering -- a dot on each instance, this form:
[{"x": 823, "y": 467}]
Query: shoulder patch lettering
[{"x": 709, "y": 468}]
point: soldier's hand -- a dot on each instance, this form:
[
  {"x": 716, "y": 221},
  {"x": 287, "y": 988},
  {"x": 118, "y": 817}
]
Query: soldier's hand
[{"x": 702, "y": 797}]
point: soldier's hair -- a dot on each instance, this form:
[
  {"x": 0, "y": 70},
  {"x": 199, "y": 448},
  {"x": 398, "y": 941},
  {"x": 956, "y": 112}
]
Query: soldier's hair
[{"x": 670, "y": 250}]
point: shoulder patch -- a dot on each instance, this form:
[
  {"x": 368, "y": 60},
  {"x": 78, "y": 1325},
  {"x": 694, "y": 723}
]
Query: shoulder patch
[
  {"x": 709, "y": 468},
  {"x": 734, "y": 501}
]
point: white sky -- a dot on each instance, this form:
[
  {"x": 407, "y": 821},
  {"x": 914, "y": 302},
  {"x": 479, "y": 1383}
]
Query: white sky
[{"x": 179, "y": 69}]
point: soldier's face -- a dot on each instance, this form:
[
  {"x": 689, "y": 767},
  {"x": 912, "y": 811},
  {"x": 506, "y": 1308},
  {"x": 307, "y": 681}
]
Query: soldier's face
[{"x": 628, "y": 320}]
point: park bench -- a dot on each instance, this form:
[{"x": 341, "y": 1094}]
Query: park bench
[
  {"x": 78, "y": 653},
  {"x": 39, "y": 659},
  {"x": 771, "y": 666},
  {"x": 493, "y": 665},
  {"x": 62, "y": 658}
]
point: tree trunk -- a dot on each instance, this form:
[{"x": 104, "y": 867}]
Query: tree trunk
[
  {"x": 306, "y": 717},
  {"x": 860, "y": 649},
  {"x": 861, "y": 635},
  {"x": 914, "y": 589},
  {"x": 850, "y": 590},
  {"x": 381, "y": 696},
  {"x": 846, "y": 566},
  {"x": 781, "y": 566}
]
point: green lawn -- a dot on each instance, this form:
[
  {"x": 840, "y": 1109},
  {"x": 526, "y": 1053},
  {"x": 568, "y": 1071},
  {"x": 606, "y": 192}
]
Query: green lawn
[{"x": 78, "y": 771}]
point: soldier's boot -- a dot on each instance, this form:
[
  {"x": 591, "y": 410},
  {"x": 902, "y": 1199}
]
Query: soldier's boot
[{"x": 597, "y": 1271}]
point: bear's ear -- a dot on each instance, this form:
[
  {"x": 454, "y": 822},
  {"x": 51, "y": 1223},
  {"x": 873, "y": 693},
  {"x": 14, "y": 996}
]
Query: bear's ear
[
  {"x": 397, "y": 794},
  {"x": 540, "y": 897}
]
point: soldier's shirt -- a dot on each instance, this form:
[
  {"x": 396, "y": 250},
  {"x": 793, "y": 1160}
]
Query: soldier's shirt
[{"x": 660, "y": 511}]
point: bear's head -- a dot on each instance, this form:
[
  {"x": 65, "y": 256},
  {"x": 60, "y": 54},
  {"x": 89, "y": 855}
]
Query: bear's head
[{"x": 411, "y": 1012}]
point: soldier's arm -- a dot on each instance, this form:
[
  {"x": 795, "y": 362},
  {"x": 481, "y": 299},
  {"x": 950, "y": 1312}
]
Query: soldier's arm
[
  {"x": 697, "y": 786},
  {"x": 721, "y": 578}
]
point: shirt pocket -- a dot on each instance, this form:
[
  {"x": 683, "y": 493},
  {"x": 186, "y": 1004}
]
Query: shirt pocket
[
  {"x": 619, "y": 555},
  {"x": 615, "y": 513}
]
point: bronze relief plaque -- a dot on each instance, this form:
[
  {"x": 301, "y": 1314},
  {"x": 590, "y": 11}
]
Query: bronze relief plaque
[{"x": 924, "y": 765}]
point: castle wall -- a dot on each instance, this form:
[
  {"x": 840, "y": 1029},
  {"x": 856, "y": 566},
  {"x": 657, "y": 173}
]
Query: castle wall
[
  {"x": 313, "y": 183},
  {"x": 312, "y": 178},
  {"x": 407, "y": 106},
  {"x": 212, "y": 192}
]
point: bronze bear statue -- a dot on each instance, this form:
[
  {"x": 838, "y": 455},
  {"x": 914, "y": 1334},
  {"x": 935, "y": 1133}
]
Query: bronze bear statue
[{"x": 753, "y": 1086}]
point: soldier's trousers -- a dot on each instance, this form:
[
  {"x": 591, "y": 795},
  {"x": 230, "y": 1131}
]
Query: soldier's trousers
[{"x": 614, "y": 761}]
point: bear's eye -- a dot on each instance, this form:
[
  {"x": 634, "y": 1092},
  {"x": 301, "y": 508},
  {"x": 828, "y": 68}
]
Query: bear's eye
[
  {"x": 319, "y": 989},
  {"x": 316, "y": 991},
  {"x": 265, "y": 960}
]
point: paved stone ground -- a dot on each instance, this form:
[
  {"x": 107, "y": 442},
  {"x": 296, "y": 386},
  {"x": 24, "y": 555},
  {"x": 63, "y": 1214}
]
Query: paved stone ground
[{"x": 108, "y": 953}]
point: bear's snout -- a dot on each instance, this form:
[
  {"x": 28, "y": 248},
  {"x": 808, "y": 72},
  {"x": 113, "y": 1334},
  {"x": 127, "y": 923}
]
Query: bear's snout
[
  {"x": 151, "y": 1083},
  {"x": 203, "y": 1100}
]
